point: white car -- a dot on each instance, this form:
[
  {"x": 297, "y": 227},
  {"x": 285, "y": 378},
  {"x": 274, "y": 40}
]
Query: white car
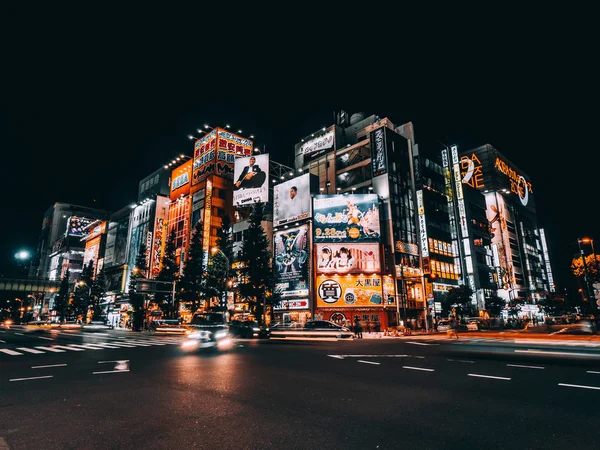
[
  {"x": 443, "y": 325},
  {"x": 472, "y": 325}
]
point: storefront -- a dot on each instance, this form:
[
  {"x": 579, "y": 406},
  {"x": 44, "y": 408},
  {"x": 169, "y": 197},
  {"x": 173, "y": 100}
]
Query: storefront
[{"x": 373, "y": 319}]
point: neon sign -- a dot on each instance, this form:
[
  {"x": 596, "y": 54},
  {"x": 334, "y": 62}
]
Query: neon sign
[{"x": 518, "y": 184}]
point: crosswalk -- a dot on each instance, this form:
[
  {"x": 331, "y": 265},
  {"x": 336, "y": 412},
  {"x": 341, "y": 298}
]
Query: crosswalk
[{"x": 110, "y": 344}]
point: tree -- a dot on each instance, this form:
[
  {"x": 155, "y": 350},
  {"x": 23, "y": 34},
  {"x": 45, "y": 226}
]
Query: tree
[
  {"x": 494, "y": 305},
  {"x": 256, "y": 272},
  {"x": 98, "y": 291},
  {"x": 514, "y": 306},
  {"x": 219, "y": 266},
  {"x": 82, "y": 296},
  {"x": 61, "y": 301},
  {"x": 194, "y": 272},
  {"x": 137, "y": 299},
  {"x": 168, "y": 272},
  {"x": 460, "y": 298},
  {"x": 593, "y": 267}
]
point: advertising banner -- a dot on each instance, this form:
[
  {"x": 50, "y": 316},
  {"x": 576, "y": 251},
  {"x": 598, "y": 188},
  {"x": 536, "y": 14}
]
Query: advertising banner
[
  {"x": 349, "y": 290},
  {"x": 204, "y": 157},
  {"x": 347, "y": 258},
  {"x": 292, "y": 304},
  {"x": 181, "y": 180},
  {"x": 76, "y": 225},
  {"x": 251, "y": 177},
  {"x": 92, "y": 248},
  {"x": 379, "y": 157},
  {"x": 158, "y": 245},
  {"x": 291, "y": 261},
  {"x": 230, "y": 145},
  {"x": 317, "y": 146},
  {"x": 389, "y": 291},
  {"x": 291, "y": 200},
  {"x": 346, "y": 218}
]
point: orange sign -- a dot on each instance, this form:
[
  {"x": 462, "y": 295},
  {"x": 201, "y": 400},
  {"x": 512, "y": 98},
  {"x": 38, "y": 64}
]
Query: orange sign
[
  {"x": 181, "y": 180},
  {"x": 471, "y": 171},
  {"x": 349, "y": 290}
]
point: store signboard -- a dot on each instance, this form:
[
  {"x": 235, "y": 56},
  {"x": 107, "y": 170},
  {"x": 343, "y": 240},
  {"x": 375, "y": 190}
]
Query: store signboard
[
  {"x": 346, "y": 218},
  {"x": 349, "y": 291},
  {"x": 348, "y": 258}
]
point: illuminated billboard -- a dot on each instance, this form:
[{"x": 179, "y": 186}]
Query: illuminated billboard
[
  {"x": 251, "y": 180},
  {"x": 347, "y": 258},
  {"x": 204, "y": 157},
  {"x": 92, "y": 249},
  {"x": 291, "y": 261},
  {"x": 340, "y": 291},
  {"x": 291, "y": 200},
  {"x": 181, "y": 180},
  {"x": 346, "y": 218},
  {"x": 76, "y": 226},
  {"x": 230, "y": 146},
  {"x": 317, "y": 146}
]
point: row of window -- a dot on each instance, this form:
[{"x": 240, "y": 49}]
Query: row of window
[
  {"x": 444, "y": 270},
  {"x": 441, "y": 247}
]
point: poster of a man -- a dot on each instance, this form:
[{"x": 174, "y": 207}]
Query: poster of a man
[
  {"x": 251, "y": 180},
  {"x": 292, "y": 200}
]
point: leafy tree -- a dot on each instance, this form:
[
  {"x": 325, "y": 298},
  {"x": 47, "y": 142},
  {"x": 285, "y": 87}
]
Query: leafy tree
[
  {"x": 460, "y": 298},
  {"x": 494, "y": 305},
  {"x": 168, "y": 272},
  {"x": 61, "y": 301},
  {"x": 256, "y": 272},
  {"x": 137, "y": 299},
  {"x": 98, "y": 291},
  {"x": 82, "y": 296},
  {"x": 514, "y": 306},
  {"x": 194, "y": 272},
  {"x": 219, "y": 268},
  {"x": 593, "y": 267}
]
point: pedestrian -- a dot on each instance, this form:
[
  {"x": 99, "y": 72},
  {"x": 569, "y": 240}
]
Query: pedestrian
[
  {"x": 357, "y": 328},
  {"x": 453, "y": 329}
]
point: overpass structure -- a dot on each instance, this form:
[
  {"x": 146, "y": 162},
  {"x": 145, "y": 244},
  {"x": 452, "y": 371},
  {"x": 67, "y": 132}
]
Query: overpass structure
[{"x": 29, "y": 285}]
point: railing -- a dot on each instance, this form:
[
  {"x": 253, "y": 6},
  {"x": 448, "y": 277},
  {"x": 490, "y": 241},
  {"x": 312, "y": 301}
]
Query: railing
[{"x": 29, "y": 284}]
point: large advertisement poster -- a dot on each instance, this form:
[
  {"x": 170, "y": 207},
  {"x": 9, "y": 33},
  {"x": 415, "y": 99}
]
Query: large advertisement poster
[
  {"x": 378, "y": 159},
  {"x": 317, "y": 146},
  {"x": 204, "y": 157},
  {"x": 291, "y": 261},
  {"x": 92, "y": 248},
  {"x": 347, "y": 218},
  {"x": 349, "y": 290},
  {"x": 347, "y": 258},
  {"x": 76, "y": 225},
  {"x": 251, "y": 180},
  {"x": 181, "y": 180},
  {"x": 291, "y": 200},
  {"x": 230, "y": 145}
]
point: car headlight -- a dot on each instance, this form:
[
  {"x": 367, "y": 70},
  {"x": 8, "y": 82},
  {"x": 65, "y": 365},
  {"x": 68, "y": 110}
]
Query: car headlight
[
  {"x": 195, "y": 335},
  {"x": 220, "y": 334},
  {"x": 255, "y": 329}
]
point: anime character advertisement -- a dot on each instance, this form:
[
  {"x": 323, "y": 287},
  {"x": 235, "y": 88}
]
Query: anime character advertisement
[
  {"x": 346, "y": 218},
  {"x": 291, "y": 261}
]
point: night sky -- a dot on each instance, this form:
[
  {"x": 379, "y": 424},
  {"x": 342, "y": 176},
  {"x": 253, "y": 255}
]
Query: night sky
[{"x": 92, "y": 106}]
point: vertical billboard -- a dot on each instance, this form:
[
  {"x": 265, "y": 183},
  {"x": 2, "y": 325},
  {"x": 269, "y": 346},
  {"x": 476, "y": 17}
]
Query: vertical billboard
[
  {"x": 181, "y": 180},
  {"x": 291, "y": 200},
  {"x": 291, "y": 261},
  {"x": 346, "y": 218},
  {"x": 204, "y": 157},
  {"x": 230, "y": 146},
  {"x": 251, "y": 180},
  {"x": 378, "y": 144},
  {"x": 349, "y": 290},
  {"x": 347, "y": 258}
]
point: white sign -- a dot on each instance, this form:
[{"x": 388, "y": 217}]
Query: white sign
[
  {"x": 251, "y": 180},
  {"x": 180, "y": 181},
  {"x": 291, "y": 304},
  {"x": 319, "y": 143},
  {"x": 291, "y": 200},
  {"x": 422, "y": 225}
]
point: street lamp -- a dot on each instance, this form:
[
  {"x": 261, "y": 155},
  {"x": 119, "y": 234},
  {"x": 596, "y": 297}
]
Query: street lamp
[{"x": 216, "y": 250}]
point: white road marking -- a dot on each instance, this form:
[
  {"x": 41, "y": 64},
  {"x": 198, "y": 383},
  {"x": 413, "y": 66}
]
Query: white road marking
[
  {"x": 369, "y": 362},
  {"x": 367, "y": 356},
  {"x": 420, "y": 357},
  {"x": 119, "y": 344},
  {"x": 418, "y": 368},
  {"x": 592, "y": 371},
  {"x": 29, "y": 350},
  {"x": 19, "y": 334},
  {"x": 51, "y": 365},
  {"x": 31, "y": 378},
  {"x": 488, "y": 376},
  {"x": 117, "y": 361},
  {"x": 461, "y": 361},
  {"x": 421, "y": 343},
  {"x": 105, "y": 345},
  {"x": 73, "y": 349},
  {"x": 2, "y": 342},
  {"x": 579, "y": 386},
  {"x": 111, "y": 371},
  {"x": 101, "y": 334},
  {"x": 51, "y": 349},
  {"x": 87, "y": 346},
  {"x": 9, "y": 352},
  {"x": 543, "y": 352},
  {"x": 141, "y": 344},
  {"x": 48, "y": 339},
  {"x": 524, "y": 367},
  {"x": 336, "y": 356}
]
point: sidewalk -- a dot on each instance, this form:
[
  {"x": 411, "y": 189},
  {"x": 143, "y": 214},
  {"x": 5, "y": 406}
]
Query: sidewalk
[{"x": 500, "y": 334}]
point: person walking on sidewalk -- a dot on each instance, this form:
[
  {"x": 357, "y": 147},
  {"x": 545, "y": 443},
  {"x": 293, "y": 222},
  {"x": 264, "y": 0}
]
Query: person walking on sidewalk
[
  {"x": 358, "y": 328},
  {"x": 453, "y": 328}
]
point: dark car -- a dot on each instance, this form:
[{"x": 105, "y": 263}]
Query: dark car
[
  {"x": 310, "y": 330},
  {"x": 207, "y": 330},
  {"x": 167, "y": 326},
  {"x": 246, "y": 329}
]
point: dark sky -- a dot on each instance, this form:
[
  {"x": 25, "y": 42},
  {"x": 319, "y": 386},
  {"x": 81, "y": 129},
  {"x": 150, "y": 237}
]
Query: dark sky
[{"x": 92, "y": 106}]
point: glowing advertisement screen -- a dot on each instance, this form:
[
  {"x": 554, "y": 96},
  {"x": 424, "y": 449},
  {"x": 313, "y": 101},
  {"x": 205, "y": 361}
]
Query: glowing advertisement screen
[
  {"x": 291, "y": 261},
  {"x": 251, "y": 180},
  {"x": 346, "y": 218},
  {"x": 347, "y": 258},
  {"x": 291, "y": 200},
  {"x": 349, "y": 290}
]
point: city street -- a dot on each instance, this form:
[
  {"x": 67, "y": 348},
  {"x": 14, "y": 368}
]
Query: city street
[{"x": 117, "y": 389}]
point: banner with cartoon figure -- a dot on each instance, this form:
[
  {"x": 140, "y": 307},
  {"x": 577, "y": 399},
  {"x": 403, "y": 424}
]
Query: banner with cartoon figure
[
  {"x": 347, "y": 218},
  {"x": 347, "y": 258},
  {"x": 291, "y": 261},
  {"x": 349, "y": 290}
]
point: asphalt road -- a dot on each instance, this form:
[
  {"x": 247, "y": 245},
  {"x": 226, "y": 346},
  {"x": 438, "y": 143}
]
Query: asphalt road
[{"x": 124, "y": 390}]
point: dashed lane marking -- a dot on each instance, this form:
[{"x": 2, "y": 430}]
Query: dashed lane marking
[
  {"x": 110, "y": 371},
  {"x": 48, "y": 366},
  {"x": 580, "y": 386},
  {"x": 9, "y": 352},
  {"x": 31, "y": 378},
  {"x": 477, "y": 375},
  {"x": 593, "y": 371},
  {"x": 423, "y": 369},
  {"x": 524, "y": 367},
  {"x": 461, "y": 361},
  {"x": 48, "y": 339},
  {"x": 369, "y": 362},
  {"x": 544, "y": 352}
]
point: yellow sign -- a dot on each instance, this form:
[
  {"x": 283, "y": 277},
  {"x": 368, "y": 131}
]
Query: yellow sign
[
  {"x": 471, "y": 171},
  {"x": 349, "y": 290}
]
